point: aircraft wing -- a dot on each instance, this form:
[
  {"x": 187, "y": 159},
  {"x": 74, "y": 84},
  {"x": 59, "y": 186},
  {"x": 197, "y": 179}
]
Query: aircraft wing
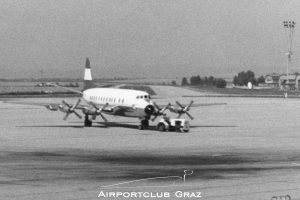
[
  {"x": 180, "y": 109},
  {"x": 199, "y": 104},
  {"x": 33, "y": 103},
  {"x": 55, "y": 106},
  {"x": 207, "y": 104}
]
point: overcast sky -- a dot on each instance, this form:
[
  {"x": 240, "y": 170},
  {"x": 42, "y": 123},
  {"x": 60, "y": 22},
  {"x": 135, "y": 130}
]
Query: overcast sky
[{"x": 147, "y": 38}]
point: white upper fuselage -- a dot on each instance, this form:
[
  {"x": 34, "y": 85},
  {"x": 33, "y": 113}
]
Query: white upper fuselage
[{"x": 135, "y": 99}]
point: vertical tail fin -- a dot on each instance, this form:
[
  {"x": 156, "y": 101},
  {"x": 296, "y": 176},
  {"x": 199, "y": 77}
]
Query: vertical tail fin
[{"x": 87, "y": 81}]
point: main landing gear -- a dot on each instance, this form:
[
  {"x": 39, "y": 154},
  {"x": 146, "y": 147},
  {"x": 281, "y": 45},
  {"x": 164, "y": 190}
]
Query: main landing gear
[
  {"x": 87, "y": 121},
  {"x": 144, "y": 124}
]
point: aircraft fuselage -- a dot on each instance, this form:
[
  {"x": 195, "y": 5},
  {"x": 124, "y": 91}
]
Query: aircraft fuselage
[{"x": 122, "y": 102}]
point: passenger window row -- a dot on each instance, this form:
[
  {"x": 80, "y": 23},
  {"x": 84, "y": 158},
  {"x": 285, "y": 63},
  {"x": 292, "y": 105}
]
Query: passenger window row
[{"x": 107, "y": 99}]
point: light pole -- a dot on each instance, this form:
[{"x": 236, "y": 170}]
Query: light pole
[{"x": 289, "y": 27}]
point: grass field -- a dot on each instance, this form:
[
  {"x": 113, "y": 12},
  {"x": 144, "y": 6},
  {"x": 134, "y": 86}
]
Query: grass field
[
  {"x": 30, "y": 88},
  {"x": 243, "y": 92}
]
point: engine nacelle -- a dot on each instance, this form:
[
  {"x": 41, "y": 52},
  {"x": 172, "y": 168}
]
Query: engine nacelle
[
  {"x": 52, "y": 107},
  {"x": 149, "y": 110},
  {"x": 88, "y": 111}
]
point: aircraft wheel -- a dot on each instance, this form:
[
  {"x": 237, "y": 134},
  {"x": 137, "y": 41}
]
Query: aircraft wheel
[
  {"x": 161, "y": 127},
  {"x": 87, "y": 122}
]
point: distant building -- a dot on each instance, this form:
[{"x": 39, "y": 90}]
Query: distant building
[
  {"x": 272, "y": 80},
  {"x": 288, "y": 81},
  {"x": 292, "y": 81}
]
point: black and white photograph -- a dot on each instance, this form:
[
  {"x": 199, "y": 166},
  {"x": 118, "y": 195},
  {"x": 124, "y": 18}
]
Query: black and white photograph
[{"x": 149, "y": 99}]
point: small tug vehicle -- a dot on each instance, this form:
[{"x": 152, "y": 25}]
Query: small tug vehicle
[{"x": 169, "y": 124}]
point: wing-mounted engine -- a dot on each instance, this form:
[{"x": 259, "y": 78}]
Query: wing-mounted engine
[
  {"x": 159, "y": 111},
  {"x": 52, "y": 107},
  {"x": 181, "y": 109},
  {"x": 95, "y": 111},
  {"x": 66, "y": 108}
]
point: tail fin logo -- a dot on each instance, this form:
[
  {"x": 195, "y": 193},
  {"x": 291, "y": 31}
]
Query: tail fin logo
[
  {"x": 87, "y": 70},
  {"x": 88, "y": 81}
]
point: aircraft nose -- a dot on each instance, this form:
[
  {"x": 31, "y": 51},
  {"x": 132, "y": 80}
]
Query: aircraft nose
[{"x": 149, "y": 110}]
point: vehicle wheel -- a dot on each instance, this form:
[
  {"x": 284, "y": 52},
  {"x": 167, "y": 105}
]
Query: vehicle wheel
[
  {"x": 161, "y": 127},
  {"x": 186, "y": 131}
]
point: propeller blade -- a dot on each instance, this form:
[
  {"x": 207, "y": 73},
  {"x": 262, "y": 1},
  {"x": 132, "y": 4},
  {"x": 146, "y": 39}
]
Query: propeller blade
[
  {"x": 154, "y": 118},
  {"x": 70, "y": 109},
  {"x": 66, "y": 116},
  {"x": 183, "y": 110},
  {"x": 179, "y": 104},
  {"x": 61, "y": 108},
  {"x": 104, "y": 119},
  {"x": 98, "y": 111},
  {"x": 94, "y": 105},
  {"x": 76, "y": 104},
  {"x": 78, "y": 115},
  {"x": 160, "y": 111},
  {"x": 104, "y": 106},
  {"x": 187, "y": 108},
  {"x": 190, "y": 116},
  {"x": 65, "y": 103},
  {"x": 165, "y": 108},
  {"x": 156, "y": 106},
  {"x": 190, "y": 104}
]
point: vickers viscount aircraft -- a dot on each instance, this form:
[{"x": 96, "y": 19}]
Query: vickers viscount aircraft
[{"x": 114, "y": 101}]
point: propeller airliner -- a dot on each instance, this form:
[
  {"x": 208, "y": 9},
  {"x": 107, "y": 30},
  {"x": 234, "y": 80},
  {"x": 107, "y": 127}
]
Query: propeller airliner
[{"x": 115, "y": 101}]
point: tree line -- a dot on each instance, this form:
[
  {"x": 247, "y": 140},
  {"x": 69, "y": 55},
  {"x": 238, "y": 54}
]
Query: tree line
[
  {"x": 210, "y": 81},
  {"x": 243, "y": 78}
]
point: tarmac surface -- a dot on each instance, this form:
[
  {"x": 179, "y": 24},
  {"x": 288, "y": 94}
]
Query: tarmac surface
[{"x": 247, "y": 148}]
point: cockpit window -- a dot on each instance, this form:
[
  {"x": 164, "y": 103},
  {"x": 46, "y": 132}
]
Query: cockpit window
[{"x": 143, "y": 97}]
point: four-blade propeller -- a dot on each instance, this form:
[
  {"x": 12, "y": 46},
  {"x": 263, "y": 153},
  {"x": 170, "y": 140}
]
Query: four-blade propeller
[
  {"x": 182, "y": 109},
  {"x": 70, "y": 109},
  {"x": 160, "y": 111},
  {"x": 98, "y": 111}
]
